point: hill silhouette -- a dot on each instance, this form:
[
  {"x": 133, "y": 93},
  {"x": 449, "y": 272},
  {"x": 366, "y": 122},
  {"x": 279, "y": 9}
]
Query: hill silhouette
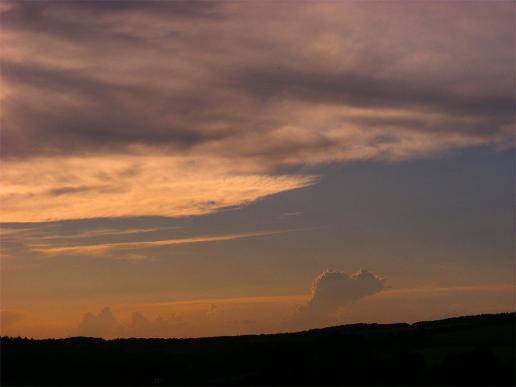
[{"x": 470, "y": 350}]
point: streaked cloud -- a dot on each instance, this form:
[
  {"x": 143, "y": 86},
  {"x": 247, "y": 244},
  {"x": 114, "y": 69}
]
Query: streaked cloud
[
  {"x": 33, "y": 233},
  {"x": 103, "y": 232},
  {"x": 92, "y": 249}
]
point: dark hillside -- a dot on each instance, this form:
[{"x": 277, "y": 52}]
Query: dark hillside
[{"x": 473, "y": 350}]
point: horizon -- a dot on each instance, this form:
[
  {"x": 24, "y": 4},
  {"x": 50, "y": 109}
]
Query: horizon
[{"x": 309, "y": 330}]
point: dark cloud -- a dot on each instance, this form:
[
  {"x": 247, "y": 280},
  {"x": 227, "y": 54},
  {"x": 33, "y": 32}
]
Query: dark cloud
[
  {"x": 213, "y": 77},
  {"x": 368, "y": 90},
  {"x": 44, "y": 16},
  {"x": 185, "y": 9},
  {"x": 115, "y": 120},
  {"x": 86, "y": 189}
]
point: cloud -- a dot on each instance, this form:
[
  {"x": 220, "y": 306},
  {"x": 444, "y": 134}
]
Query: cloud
[
  {"x": 186, "y": 90},
  {"x": 332, "y": 290},
  {"x": 103, "y": 232},
  {"x": 104, "y": 324},
  {"x": 89, "y": 187},
  {"x": 9, "y": 318},
  {"x": 140, "y": 326},
  {"x": 243, "y": 91},
  {"x": 91, "y": 249},
  {"x": 23, "y": 243}
]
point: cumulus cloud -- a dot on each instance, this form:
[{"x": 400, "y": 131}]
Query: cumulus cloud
[
  {"x": 105, "y": 324},
  {"x": 141, "y": 326},
  {"x": 332, "y": 290},
  {"x": 254, "y": 86}
]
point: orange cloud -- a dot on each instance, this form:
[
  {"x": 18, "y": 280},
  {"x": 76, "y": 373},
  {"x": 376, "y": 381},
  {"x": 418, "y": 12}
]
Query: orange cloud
[{"x": 76, "y": 188}]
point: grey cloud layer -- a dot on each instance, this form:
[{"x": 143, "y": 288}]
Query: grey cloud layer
[{"x": 310, "y": 82}]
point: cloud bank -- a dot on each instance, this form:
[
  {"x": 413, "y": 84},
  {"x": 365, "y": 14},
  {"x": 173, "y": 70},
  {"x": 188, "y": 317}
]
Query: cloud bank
[{"x": 227, "y": 94}]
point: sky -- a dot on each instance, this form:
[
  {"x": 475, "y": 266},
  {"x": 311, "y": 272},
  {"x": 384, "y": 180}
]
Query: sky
[{"x": 187, "y": 169}]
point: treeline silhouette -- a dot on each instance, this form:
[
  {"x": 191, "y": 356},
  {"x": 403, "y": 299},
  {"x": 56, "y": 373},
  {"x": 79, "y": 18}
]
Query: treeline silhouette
[{"x": 472, "y": 351}]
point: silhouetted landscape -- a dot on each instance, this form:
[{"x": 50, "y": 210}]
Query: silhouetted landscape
[{"x": 471, "y": 350}]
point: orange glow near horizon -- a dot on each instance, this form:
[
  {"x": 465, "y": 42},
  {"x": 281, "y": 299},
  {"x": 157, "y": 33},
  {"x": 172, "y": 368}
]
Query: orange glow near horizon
[{"x": 249, "y": 315}]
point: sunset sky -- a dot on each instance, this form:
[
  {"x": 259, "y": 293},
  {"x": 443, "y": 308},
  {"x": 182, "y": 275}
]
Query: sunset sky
[{"x": 174, "y": 169}]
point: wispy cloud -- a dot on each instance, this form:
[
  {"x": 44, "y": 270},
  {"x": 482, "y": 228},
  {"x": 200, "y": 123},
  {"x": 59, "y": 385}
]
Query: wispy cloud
[
  {"x": 105, "y": 232},
  {"x": 33, "y": 233},
  {"x": 92, "y": 249}
]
